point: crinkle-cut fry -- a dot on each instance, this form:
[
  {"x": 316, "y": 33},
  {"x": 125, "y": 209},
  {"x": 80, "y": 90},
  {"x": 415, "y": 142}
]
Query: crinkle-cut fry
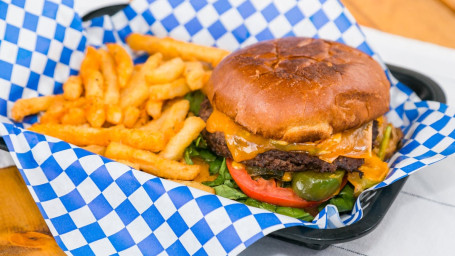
[
  {"x": 95, "y": 114},
  {"x": 180, "y": 141},
  {"x": 74, "y": 116},
  {"x": 90, "y": 63},
  {"x": 93, "y": 85},
  {"x": 99, "y": 150},
  {"x": 171, "y": 90},
  {"x": 173, "y": 48},
  {"x": 153, "y": 108},
  {"x": 84, "y": 135},
  {"x": 111, "y": 87},
  {"x": 114, "y": 114},
  {"x": 170, "y": 117},
  {"x": 166, "y": 72},
  {"x": 130, "y": 116},
  {"x": 137, "y": 90},
  {"x": 152, "y": 163},
  {"x": 30, "y": 106},
  {"x": 72, "y": 88},
  {"x": 194, "y": 74},
  {"x": 196, "y": 184},
  {"x": 123, "y": 62}
]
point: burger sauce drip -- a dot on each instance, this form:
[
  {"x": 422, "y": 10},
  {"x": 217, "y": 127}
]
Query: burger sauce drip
[{"x": 354, "y": 143}]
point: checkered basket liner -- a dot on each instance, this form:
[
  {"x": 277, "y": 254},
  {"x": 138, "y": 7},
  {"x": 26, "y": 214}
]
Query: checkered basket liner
[{"x": 94, "y": 205}]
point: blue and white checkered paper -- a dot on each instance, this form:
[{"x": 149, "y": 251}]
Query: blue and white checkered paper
[{"x": 94, "y": 205}]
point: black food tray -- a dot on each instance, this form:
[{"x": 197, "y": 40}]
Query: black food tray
[{"x": 375, "y": 203}]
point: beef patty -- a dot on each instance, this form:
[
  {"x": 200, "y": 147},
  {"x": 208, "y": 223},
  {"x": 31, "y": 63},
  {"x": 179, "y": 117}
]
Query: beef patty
[{"x": 292, "y": 161}]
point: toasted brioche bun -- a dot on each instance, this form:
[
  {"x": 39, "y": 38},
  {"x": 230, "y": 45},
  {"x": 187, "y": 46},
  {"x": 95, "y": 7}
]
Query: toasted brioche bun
[{"x": 299, "y": 89}]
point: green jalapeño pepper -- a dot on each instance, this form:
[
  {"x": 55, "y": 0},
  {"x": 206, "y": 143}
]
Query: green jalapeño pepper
[{"x": 316, "y": 186}]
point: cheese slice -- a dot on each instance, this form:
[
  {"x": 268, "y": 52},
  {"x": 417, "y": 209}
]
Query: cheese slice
[
  {"x": 374, "y": 170},
  {"x": 354, "y": 143}
]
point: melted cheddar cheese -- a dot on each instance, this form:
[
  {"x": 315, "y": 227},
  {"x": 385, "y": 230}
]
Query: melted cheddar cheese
[
  {"x": 374, "y": 170},
  {"x": 354, "y": 143}
]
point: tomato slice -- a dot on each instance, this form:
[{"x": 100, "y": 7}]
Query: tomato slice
[{"x": 267, "y": 190}]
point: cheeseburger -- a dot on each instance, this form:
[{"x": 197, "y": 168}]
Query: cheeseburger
[{"x": 299, "y": 118}]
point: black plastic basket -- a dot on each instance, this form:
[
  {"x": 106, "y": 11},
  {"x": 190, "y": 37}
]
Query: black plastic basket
[{"x": 375, "y": 203}]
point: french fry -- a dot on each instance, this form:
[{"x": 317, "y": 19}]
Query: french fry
[
  {"x": 90, "y": 64},
  {"x": 30, "y": 106},
  {"x": 93, "y": 85},
  {"x": 143, "y": 118},
  {"x": 96, "y": 115},
  {"x": 129, "y": 163},
  {"x": 171, "y": 90},
  {"x": 78, "y": 103},
  {"x": 130, "y": 116},
  {"x": 59, "y": 109},
  {"x": 53, "y": 116},
  {"x": 123, "y": 62},
  {"x": 151, "y": 63},
  {"x": 206, "y": 77},
  {"x": 142, "y": 139},
  {"x": 152, "y": 163},
  {"x": 55, "y": 112},
  {"x": 172, "y": 48},
  {"x": 153, "y": 108},
  {"x": 114, "y": 114},
  {"x": 77, "y": 135},
  {"x": 138, "y": 68},
  {"x": 99, "y": 150},
  {"x": 175, "y": 113},
  {"x": 111, "y": 87},
  {"x": 83, "y": 136},
  {"x": 156, "y": 124},
  {"x": 177, "y": 127},
  {"x": 91, "y": 75},
  {"x": 166, "y": 72},
  {"x": 195, "y": 184},
  {"x": 137, "y": 90},
  {"x": 194, "y": 75},
  {"x": 72, "y": 88},
  {"x": 180, "y": 141},
  {"x": 74, "y": 116}
]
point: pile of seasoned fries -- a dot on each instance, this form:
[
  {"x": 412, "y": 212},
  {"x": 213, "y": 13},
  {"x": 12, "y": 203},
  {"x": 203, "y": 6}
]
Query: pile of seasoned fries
[{"x": 133, "y": 114}]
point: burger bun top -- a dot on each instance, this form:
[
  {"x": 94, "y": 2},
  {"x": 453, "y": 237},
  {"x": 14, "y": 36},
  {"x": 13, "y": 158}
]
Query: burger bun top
[{"x": 299, "y": 89}]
